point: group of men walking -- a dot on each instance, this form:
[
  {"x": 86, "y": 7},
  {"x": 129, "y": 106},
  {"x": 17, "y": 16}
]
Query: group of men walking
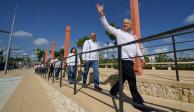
[{"x": 91, "y": 59}]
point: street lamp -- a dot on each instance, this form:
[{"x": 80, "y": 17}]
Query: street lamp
[{"x": 10, "y": 39}]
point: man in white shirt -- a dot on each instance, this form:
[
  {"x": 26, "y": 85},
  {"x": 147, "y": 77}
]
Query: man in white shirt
[
  {"x": 124, "y": 35},
  {"x": 91, "y": 59}
]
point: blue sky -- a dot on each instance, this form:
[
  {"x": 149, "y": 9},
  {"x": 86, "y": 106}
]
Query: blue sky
[{"x": 38, "y": 22}]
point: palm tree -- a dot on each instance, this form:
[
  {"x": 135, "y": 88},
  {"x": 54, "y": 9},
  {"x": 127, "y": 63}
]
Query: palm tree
[{"x": 40, "y": 53}]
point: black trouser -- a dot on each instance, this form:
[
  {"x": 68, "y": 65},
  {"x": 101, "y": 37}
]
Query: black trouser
[
  {"x": 51, "y": 72},
  {"x": 129, "y": 75}
]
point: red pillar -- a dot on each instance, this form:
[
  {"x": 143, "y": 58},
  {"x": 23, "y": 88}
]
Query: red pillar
[
  {"x": 53, "y": 45},
  {"x": 45, "y": 56},
  {"x": 67, "y": 41},
  {"x": 134, "y": 6}
]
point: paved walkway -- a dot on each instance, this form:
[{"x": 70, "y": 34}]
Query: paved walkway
[
  {"x": 7, "y": 87},
  {"x": 29, "y": 96},
  {"x": 36, "y": 94}
]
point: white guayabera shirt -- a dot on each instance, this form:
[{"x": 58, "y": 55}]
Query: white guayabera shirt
[
  {"x": 122, "y": 37},
  {"x": 90, "y": 45},
  {"x": 71, "y": 60}
]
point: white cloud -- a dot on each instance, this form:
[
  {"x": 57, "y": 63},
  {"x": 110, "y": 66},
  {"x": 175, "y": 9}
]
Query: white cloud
[
  {"x": 190, "y": 18},
  {"x": 17, "y": 51},
  {"x": 22, "y": 34},
  {"x": 161, "y": 50},
  {"x": 24, "y": 53},
  {"x": 40, "y": 41}
]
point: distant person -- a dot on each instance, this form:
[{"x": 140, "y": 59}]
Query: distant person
[
  {"x": 91, "y": 60},
  {"x": 71, "y": 65},
  {"x": 124, "y": 35},
  {"x": 57, "y": 68},
  {"x": 51, "y": 69}
]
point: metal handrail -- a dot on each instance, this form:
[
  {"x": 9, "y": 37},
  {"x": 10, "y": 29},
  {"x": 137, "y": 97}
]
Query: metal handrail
[
  {"x": 3, "y": 31},
  {"x": 171, "y": 33}
]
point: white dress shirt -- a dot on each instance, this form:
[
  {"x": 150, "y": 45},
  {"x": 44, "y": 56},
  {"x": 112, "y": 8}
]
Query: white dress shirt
[
  {"x": 57, "y": 63},
  {"x": 71, "y": 60},
  {"x": 122, "y": 37},
  {"x": 90, "y": 45}
]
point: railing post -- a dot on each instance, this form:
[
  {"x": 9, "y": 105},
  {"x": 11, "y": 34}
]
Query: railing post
[
  {"x": 45, "y": 70},
  {"x": 49, "y": 72},
  {"x": 120, "y": 79},
  {"x": 75, "y": 74},
  {"x": 175, "y": 58},
  {"x": 61, "y": 72}
]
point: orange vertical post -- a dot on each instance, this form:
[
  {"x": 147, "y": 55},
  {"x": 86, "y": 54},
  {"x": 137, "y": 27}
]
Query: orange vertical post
[
  {"x": 53, "y": 45},
  {"x": 134, "y": 6},
  {"x": 46, "y": 54},
  {"x": 67, "y": 41}
]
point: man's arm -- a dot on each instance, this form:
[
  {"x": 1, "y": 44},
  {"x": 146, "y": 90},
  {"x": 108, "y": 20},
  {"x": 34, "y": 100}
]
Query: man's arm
[{"x": 104, "y": 21}]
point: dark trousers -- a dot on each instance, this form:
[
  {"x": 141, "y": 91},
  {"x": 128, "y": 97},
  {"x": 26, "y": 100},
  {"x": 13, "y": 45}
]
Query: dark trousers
[
  {"x": 129, "y": 75},
  {"x": 57, "y": 71}
]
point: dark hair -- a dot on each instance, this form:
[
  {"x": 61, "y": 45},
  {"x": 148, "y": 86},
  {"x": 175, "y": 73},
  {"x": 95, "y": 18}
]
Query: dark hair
[{"x": 73, "y": 48}]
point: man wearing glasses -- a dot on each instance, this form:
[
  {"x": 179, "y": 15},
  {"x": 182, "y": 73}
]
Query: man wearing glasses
[{"x": 91, "y": 60}]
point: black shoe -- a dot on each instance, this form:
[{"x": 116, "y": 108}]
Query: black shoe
[
  {"x": 114, "y": 95},
  {"x": 98, "y": 88},
  {"x": 84, "y": 85},
  {"x": 139, "y": 105}
]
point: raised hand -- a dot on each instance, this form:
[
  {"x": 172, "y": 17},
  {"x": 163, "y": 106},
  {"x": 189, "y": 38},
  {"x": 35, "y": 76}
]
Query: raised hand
[{"x": 99, "y": 8}]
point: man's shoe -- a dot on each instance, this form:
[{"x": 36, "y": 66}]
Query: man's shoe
[
  {"x": 139, "y": 105},
  {"x": 98, "y": 88},
  {"x": 114, "y": 95}
]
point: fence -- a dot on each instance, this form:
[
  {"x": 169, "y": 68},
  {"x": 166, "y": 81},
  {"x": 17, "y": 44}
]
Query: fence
[{"x": 173, "y": 34}]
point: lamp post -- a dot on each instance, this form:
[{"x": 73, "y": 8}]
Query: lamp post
[{"x": 10, "y": 39}]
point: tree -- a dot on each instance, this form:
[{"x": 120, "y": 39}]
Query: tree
[
  {"x": 59, "y": 53},
  {"x": 161, "y": 58},
  {"x": 40, "y": 53},
  {"x": 81, "y": 41}
]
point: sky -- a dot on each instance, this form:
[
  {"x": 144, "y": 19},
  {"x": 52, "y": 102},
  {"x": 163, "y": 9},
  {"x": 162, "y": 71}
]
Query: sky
[{"x": 38, "y": 22}]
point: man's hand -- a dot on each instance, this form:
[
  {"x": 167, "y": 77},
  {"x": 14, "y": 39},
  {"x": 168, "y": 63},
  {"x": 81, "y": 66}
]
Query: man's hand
[{"x": 100, "y": 9}]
